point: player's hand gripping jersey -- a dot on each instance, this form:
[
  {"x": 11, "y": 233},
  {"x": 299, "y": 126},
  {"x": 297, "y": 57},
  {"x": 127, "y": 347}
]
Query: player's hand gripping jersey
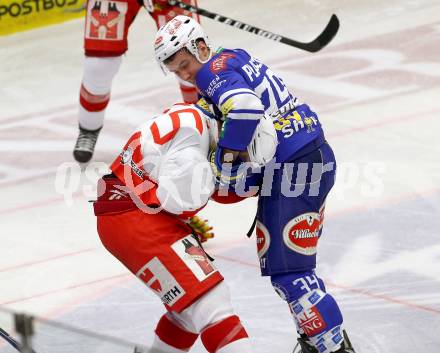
[
  {"x": 244, "y": 89},
  {"x": 164, "y": 164}
]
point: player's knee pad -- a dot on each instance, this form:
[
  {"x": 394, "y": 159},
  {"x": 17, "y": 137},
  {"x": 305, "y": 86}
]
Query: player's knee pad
[
  {"x": 316, "y": 312},
  {"x": 97, "y": 81},
  {"x": 213, "y": 306}
]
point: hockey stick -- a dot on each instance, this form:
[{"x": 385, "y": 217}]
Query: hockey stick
[
  {"x": 12, "y": 341},
  {"x": 315, "y": 45}
]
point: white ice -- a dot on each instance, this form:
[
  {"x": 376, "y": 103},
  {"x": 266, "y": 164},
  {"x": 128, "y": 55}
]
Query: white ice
[{"x": 376, "y": 88}]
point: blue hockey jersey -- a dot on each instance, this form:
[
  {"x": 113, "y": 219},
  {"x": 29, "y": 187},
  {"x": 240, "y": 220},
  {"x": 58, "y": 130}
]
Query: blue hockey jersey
[{"x": 244, "y": 89}]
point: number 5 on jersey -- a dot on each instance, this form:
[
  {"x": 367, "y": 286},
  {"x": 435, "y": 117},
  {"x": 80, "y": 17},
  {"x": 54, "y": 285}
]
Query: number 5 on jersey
[{"x": 166, "y": 127}]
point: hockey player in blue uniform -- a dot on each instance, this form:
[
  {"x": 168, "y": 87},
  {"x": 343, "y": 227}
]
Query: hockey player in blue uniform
[{"x": 266, "y": 125}]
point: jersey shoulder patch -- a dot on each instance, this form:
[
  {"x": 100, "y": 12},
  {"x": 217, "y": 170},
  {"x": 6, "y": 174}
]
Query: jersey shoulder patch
[
  {"x": 219, "y": 72},
  {"x": 220, "y": 62}
]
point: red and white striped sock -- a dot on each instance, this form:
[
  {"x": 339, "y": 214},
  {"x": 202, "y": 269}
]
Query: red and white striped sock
[
  {"x": 171, "y": 337},
  {"x": 95, "y": 89},
  {"x": 92, "y": 109},
  {"x": 93, "y": 102},
  {"x": 226, "y": 336}
]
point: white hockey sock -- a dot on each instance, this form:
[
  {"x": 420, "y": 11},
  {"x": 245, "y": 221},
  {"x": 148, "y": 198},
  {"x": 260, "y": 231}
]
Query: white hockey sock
[
  {"x": 241, "y": 346},
  {"x": 90, "y": 120},
  {"x": 161, "y": 347}
]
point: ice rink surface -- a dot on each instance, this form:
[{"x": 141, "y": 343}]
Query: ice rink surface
[{"x": 376, "y": 89}]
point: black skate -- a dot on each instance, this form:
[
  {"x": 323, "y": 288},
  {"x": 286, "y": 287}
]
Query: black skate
[
  {"x": 304, "y": 346},
  {"x": 346, "y": 345},
  {"x": 85, "y": 144}
]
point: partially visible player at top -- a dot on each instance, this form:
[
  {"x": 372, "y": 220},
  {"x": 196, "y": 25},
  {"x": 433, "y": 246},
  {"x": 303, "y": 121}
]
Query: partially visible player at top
[
  {"x": 262, "y": 119},
  {"x": 105, "y": 41}
]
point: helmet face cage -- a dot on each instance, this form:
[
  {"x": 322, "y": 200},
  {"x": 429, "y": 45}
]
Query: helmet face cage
[{"x": 180, "y": 32}]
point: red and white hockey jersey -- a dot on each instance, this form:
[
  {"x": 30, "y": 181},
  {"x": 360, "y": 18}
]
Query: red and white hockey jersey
[{"x": 164, "y": 164}]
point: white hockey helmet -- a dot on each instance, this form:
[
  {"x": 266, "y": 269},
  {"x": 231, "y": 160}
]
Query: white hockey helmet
[{"x": 180, "y": 32}]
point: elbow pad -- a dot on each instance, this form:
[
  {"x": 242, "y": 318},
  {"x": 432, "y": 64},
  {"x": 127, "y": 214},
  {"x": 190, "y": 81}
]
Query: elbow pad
[{"x": 264, "y": 142}]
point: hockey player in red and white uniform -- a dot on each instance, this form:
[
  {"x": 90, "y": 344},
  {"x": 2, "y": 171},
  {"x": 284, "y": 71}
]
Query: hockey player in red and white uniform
[
  {"x": 160, "y": 180},
  {"x": 105, "y": 41}
]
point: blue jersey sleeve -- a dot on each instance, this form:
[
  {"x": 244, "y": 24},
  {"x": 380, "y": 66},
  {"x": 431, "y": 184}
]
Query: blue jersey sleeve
[{"x": 228, "y": 90}]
